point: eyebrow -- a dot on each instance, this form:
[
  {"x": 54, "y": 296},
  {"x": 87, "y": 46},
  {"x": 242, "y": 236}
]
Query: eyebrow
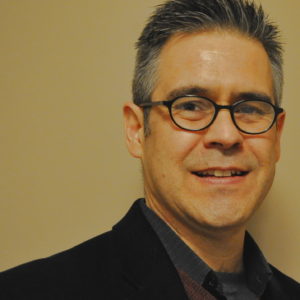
[
  {"x": 255, "y": 96},
  {"x": 191, "y": 90},
  {"x": 200, "y": 91}
]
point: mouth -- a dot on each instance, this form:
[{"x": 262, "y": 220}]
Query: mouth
[{"x": 220, "y": 173}]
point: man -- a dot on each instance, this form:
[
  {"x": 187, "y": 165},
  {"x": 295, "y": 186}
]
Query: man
[{"x": 206, "y": 125}]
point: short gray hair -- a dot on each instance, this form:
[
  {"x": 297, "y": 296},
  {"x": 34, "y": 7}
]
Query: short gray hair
[{"x": 187, "y": 16}]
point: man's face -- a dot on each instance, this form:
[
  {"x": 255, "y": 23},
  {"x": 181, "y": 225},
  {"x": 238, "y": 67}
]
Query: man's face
[{"x": 221, "y": 66}]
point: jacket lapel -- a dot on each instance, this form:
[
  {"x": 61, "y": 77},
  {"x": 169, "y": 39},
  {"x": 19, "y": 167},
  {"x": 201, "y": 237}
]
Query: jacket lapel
[{"x": 147, "y": 270}]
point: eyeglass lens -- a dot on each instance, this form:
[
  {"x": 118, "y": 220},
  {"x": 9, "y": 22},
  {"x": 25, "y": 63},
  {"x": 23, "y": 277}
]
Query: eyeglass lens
[{"x": 196, "y": 113}]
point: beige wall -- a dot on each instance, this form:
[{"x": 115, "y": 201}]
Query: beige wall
[{"x": 65, "y": 174}]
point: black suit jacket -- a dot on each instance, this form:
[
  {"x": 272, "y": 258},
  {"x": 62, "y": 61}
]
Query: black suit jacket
[{"x": 128, "y": 262}]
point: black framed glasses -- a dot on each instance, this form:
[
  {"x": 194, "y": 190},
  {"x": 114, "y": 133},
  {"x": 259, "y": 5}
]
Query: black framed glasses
[{"x": 195, "y": 113}]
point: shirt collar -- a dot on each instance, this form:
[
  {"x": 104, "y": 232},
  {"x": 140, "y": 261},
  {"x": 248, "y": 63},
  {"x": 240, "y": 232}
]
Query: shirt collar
[{"x": 257, "y": 270}]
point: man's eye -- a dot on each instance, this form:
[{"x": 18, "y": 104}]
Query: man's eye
[
  {"x": 190, "y": 106},
  {"x": 249, "y": 110}
]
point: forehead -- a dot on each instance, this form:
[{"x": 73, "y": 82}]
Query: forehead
[{"x": 221, "y": 62}]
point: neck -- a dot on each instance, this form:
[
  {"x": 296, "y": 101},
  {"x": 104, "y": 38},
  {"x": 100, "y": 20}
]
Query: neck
[{"x": 221, "y": 249}]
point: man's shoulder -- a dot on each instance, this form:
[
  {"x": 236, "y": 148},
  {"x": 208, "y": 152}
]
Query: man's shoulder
[
  {"x": 63, "y": 271},
  {"x": 94, "y": 267},
  {"x": 86, "y": 251},
  {"x": 281, "y": 284}
]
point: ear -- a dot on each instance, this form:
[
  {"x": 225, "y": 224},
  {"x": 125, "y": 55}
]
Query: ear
[
  {"x": 134, "y": 128},
  {"x": 279, "y": 128}
]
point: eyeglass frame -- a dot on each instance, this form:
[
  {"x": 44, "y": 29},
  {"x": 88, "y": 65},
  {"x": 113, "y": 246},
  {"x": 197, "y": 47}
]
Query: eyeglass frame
[{"x": 168, "y": 103}]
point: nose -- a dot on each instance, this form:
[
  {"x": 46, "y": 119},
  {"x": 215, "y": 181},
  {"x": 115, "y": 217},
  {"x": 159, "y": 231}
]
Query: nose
[{"x": 223, "y": 134}]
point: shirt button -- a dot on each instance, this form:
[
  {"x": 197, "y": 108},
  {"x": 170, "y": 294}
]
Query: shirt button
[{"x": 212, "y": 282}]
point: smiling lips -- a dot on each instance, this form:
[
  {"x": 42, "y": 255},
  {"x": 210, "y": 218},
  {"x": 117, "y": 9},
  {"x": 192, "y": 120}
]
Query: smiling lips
[{"x": 220, "y": 173}]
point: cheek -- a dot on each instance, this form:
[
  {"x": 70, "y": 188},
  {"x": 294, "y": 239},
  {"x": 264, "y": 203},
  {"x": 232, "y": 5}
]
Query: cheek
[
  {"x": 170, "y": 142},
  {"x": 265, "y": 149},
  {"x": 166, "y": 157},
  {"x": 181, "y": 145}
]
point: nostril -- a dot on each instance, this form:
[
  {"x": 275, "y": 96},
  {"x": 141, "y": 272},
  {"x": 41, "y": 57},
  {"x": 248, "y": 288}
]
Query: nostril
[{"x": 227, "y": 148}]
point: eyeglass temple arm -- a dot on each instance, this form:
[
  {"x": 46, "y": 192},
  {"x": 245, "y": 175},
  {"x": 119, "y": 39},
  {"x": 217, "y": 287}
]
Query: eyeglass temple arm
[{"x": 151, "y": 104}]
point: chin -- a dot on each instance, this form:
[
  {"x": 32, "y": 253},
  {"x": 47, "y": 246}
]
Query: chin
[{"x": 222, "y": 221}]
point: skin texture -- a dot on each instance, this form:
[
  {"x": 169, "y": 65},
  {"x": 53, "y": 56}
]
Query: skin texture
[{"x": 208, "y": 213}]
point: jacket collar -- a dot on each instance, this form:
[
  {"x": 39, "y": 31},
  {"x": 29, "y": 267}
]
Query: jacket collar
[{"x": 145, "y": 265}]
